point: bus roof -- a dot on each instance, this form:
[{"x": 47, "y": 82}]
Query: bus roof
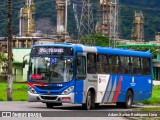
[{"x": 108, "y": 50}]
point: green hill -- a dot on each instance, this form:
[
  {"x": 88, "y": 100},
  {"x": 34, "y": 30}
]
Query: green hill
[{"x": 46, "y": 9}]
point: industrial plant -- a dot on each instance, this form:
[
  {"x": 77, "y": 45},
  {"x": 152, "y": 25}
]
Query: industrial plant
[{"x": 106, "y": 24}]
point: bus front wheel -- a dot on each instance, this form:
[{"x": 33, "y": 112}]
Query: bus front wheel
[
  {"x": 89, "y": 102},
  {"x": 51, "y": 105}
]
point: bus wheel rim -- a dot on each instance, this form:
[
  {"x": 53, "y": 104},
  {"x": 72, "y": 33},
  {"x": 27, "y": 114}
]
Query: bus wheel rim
[
  {"x": 89, "y": 101},
  {"x": 129, "y": 100}
]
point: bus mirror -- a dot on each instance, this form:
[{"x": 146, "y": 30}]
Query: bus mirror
[
  {"x": 78, "y": 61},
  {"x": 24, "y": 61},
  {"x": 24, "y": 64}
]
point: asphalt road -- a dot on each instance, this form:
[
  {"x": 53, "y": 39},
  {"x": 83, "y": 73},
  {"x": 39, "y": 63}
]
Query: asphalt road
[
  {"x": 67, "y": 111},
  {"x": 38, "y": 106}
]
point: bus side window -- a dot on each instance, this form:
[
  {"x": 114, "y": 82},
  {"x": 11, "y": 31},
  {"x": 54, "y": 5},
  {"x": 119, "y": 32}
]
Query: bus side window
[
  {"x": 113, "y": 64},
  {"x": 91, "y": 63},
  {"x": 145, "y": 66},
  {"x": 102, "y": 64},
  {"x": 124, "y": 64},
  {"x": 130, "y": 67},
  {"x": 136, "y": 65}
]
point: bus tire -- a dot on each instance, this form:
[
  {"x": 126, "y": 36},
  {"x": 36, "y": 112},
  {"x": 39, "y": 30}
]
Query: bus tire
[
  {"x": 88, "y": 105},
  {"x": 51, "y": 105},
  {"x": 96, "y": 105},
  {"x": 129, "y": 99},
  {"x": 119, "y": 104}
]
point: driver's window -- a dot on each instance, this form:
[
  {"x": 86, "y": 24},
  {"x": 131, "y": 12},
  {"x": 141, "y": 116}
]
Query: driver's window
[{"x": 81, "y": 66}]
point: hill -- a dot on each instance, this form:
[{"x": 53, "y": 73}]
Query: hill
[{"x": 45, "y": 9}]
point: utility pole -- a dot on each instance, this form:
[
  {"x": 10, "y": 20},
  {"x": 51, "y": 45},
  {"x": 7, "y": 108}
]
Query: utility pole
[{"x": 9, "y": 77}]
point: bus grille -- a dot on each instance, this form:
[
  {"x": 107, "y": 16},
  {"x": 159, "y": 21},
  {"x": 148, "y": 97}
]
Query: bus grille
[
  {"x": 50, "y": 93},
  {"x": 49, "y": 97},
  {"x": 48, "y": 87}
]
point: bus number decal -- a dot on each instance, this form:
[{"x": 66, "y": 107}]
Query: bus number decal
[{"x": 59, "y": 85}]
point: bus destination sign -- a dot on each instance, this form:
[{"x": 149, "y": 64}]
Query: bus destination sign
[{"x": 52, "y": 50}]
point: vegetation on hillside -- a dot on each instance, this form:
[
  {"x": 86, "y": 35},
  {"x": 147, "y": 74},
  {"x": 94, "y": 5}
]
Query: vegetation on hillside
[{"x": 47, "y": 10}]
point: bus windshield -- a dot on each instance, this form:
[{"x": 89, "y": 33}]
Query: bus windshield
[{"x": 51, "y": 70}]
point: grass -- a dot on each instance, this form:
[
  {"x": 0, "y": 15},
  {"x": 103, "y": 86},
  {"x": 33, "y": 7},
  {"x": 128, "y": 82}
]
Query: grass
[
  {"x": 150, "y": 109},
  {"x": 19, "y": 91},
  {"x": 155, "y": 99}
]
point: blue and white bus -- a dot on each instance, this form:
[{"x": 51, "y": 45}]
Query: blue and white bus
[{"x": 88, "y": 75}]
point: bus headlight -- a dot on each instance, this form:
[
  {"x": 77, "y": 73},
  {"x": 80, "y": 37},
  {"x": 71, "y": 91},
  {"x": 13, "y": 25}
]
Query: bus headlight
[
  {"x": 32, "y": 90},
  {"x": 68, "y": 90}
]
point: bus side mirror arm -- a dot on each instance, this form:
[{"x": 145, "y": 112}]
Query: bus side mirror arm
[
  {"x": 78, "y": 62},
  {"x": 24, "y": 63}
]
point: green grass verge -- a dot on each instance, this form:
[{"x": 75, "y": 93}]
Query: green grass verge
[
  {"x": 19, "y": 91},
  {"x": 150, "y": 109},
  {"x": 155, "y": 99}
]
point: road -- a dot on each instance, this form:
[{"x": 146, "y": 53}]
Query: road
[{"x": 67, "y": 111}]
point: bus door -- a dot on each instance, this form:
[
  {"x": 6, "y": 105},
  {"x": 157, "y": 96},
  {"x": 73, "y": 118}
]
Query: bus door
[{"x": 80, "y": 77}]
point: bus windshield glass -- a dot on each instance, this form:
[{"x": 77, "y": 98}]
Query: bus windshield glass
[{"x": 51, "y": 70}]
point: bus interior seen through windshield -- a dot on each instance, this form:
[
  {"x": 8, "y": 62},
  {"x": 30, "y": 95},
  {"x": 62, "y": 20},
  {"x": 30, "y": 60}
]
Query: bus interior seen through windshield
[{"x": 51, "y": 70}]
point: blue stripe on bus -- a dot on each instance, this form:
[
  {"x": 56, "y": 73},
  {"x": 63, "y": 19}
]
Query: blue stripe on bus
[
  {"x": 78, "y": 96},
  {"x": 110, "y": 92},
  {"x": 106, "y": 91}
]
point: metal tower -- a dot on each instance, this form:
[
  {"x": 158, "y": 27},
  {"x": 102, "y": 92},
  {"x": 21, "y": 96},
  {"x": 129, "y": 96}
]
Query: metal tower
[
  {"x": 138, "y": 27},
  {"x": 62, "y": 16},
  {"x": 102, "y": 25},
  {"x": 77, "y": 9},
  {"x": 26, "y": 27},
  {"x": 107, "y": 24},
  {"x": 86, "y": 21}
]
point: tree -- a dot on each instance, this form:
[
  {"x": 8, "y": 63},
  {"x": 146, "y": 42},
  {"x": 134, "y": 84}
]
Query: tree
[
  {"x": 3, "y": 57},
  {"x": 95, "y": 40}
]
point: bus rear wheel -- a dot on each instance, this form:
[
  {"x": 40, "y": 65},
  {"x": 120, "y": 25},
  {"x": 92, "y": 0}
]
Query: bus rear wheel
[
  {"x": 51, "y": 105},
  {"x": 96, "y": 105},
  {"x": 119, "y": 104},
  {"x": 129, "y": 99}
]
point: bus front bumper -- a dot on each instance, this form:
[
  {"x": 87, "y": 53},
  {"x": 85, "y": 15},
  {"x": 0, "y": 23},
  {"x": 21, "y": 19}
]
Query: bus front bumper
[{"x": 51, "y": 98}]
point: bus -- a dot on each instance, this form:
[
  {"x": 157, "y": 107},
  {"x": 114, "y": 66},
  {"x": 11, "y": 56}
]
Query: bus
[{"x": 88, "y": 75}]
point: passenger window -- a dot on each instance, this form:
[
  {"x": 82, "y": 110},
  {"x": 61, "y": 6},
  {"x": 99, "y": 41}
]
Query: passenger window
[
  {"x": 145, "y": 66},
  {"x": 91, "y": 63},
  {"x": 102, "y": 64},
  {"x": 113, "y": 64},
  {"x": 136, "y": 69},
  {"x": 124, "y": 65}
]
